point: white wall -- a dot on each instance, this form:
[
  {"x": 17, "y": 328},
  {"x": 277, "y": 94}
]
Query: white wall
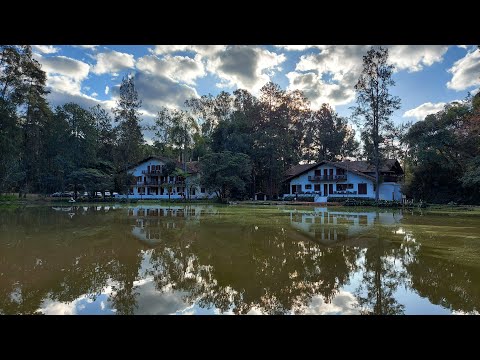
[
  {"x": 351, "y": 179},
  {"x": 137, "y": 171},
  {"x": 390, "y": 191}
]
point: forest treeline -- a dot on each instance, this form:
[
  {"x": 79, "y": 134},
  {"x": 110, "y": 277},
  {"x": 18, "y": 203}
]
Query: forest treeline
[{"x": 44, "y": 149}]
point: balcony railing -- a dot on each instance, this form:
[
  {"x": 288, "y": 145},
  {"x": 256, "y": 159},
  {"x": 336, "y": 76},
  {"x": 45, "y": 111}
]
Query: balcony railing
[
  {"x": 157, "y": 172},
  {"x": 158, "y": 183},
  {"x": 327, "y": 178}
]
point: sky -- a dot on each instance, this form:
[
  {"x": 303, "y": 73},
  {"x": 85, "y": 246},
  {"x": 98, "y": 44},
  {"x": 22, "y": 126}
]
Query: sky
[{"x": 427, "y": 76}]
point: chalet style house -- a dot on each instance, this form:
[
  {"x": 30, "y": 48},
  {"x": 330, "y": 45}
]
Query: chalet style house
[
  {"x": 151, "y": 184},
  {"x": 345, "y": 179}
]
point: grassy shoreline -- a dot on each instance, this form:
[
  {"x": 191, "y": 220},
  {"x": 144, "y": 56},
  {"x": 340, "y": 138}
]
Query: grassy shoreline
[{"x": 35, "y": 200}]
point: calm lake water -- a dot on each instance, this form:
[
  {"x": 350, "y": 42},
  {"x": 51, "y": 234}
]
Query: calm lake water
[{"x": 209, "y": 259}]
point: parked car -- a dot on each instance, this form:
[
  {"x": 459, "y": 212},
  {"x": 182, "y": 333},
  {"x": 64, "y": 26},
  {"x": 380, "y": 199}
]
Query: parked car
[{"x": 56, "y": 194}]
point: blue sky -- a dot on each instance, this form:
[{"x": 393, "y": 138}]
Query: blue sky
[{"x": 427, "y": 76}]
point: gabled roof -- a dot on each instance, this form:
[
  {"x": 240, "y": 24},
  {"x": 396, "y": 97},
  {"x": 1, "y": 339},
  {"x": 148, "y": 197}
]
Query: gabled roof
[
  {"x": 361, "y": 168},
  {"x": 389, "y": 165},
  {"x": 298, "y": 169},
  {"x": 192, "y": 166}
]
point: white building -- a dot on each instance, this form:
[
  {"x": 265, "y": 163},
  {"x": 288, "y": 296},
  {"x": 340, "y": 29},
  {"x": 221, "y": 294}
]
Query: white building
[
  {"x": 345, "y": 179},
  {"x": 152, "y": 184}
]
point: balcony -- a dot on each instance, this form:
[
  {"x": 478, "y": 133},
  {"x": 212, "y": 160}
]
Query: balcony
[
  {"x": 327, "y": 178},
  {"x": 155, "y": 172},
  {"x": 158, "y": 183}
]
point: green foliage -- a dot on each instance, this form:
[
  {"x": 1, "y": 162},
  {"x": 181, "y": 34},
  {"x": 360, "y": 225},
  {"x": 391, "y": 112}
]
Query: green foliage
[
  {"x": 329, "y": 136},
  {"x": 91, "y": 180},
  {"x": 300, "y": 197},
  {"x": 444, "y": 156},
  {"x": 225, "y": 173},
  {"x": 128, "y": 130},
  {"x": 375, "y": 104}
]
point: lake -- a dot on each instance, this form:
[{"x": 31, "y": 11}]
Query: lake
[{"x": 207, "y": 259}]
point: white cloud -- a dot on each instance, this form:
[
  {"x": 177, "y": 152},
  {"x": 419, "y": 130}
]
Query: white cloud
[
  {"x": 319, "y": 91},
  {"x": 204, "y": 50},
  {"x": 465, "y": 72},
  {"x": 241, "y": 66},
  {"x": 416, "y": 57},
  {"x": 343, "y": 303},
  {"x": 64, "y": 74},
  {"x": 166, "y": 49},
  {"x": 50, "y": 307},
  {"x": 330, "y": 75},
  {"x": 63, "y": 65},
  {"x": 112, "y": 62},
  {"x": 89, "y": 47},
  {"x": 421, "y": 111},
  {"x": 245, "y": 67},
  {"x": 107, "y": 89},
  {"x": 178, "y": 68},
  {"x": 294, "y": 47},
  {"x": 46, "y": 49},
  {"x": 156, "y": 91},
  {"x": 94, "y": 94}
]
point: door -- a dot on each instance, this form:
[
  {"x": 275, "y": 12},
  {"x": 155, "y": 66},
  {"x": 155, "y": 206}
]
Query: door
[
  {"x": 325, "y": 189},
  {"x": 325, "y": 172},
  {"x": 330, "y": 188},
  {"x": 362, "y": 189},
  {"x": 331, "y": 174}
]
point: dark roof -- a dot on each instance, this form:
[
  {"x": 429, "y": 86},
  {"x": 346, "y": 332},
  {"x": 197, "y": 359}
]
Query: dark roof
[
  {"x": 366, "y": 167},
  {"x": 192, "y": 166},
  {"x": 362, "y": 168},
  {"x": 298, "y": 169}
]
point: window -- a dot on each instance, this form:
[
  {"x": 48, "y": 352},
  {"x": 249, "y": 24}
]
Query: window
[
  {"x": 316, "y": 187},
  {"x": 296, "y": 189},
  {"x": 139, "y": 178},
  {"x": 193, "y": 191},
  {"x": 318, "y": 172},
  {"x": 343, "y": 187},
  {"x": 171, "y": 178},
  {"x": 340, "y": 171},
  {"x": 202, "y": 190},
  {"x": 331, "y": 172},
  {"x": 308, "y": 187},
  {"x": 362, "y": 189},
  {"x": 374, "y": 187}
]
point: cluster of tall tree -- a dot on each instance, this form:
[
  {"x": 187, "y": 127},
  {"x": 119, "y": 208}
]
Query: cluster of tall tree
[
  {"x": 275, "y": 130},
  {"x": 443, "y": 156},
  {"x": 72, "y": 148},
  {"x": 67, "y": 148}
]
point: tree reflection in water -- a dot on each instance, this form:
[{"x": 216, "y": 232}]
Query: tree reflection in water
[{"x": 228, "y": 259}]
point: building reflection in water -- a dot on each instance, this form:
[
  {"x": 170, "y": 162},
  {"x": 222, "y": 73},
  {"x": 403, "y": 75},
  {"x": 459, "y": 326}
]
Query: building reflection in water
[
  {"x": 328, "y": 226},
  {"x": 209, "y": 259},
  {"x": 155, "y": 223}
]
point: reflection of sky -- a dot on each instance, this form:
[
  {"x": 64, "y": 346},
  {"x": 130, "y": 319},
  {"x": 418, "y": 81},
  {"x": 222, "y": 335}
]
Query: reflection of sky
[{"x": 152, "y": 301}]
